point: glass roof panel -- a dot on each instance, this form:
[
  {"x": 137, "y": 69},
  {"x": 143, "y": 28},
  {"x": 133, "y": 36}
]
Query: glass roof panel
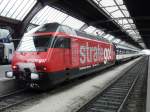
[
  {"x": 20, "y": 8},
  {"x": 98, "y": 32},
  {"x": 36, "y": 18},
  {"x": 122, "y": 42},
  {"x": 119, "y": 2},
  {"x": 111, "y": 9},
  {"x": 73, "y": 22},
  {"x": 123, "y": 7},
  {"x": 107, "y": 35},
  {"x": 8, "y": 7},
  {"x": 105, "y": 3},
  {"x": 117, "y": 14},
  {"x": 3, "y": 5},
  {"x": 127, "y": 26},
  {"x": 126, "y": 13},
  {"x": 16, "y": 9},
  {"x": 117, "y": 10},
  {"x": 110, "y": 38},
  {"x": 122, "y": 21},
  {"x": 96, "y": 1},
  {"x": 116, "y": 40},
  {"x": 90, "y": 29},
  {"x": 130, "y": 20},
  {"x": 49, "y": 15},
  {"x": 26, "y": 9}
]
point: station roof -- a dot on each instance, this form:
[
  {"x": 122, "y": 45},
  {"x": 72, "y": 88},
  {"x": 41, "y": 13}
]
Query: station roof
[
  {"x": 139, "y": 10},
  {"x": 98, "y": 17},
  {"x": 16, "y": 9},
  {"x": 109, "y": 18},
  {"x": 49, "y": 14},
  {"x": 118, "y": 12}
]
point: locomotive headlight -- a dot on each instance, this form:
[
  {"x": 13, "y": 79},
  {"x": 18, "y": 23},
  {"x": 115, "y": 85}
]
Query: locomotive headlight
[
  {"x": 9, "y": 74},
  {"x": 34, "y": 76}
]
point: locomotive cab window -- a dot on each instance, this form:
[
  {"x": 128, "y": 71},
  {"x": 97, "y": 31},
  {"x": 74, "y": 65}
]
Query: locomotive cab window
[
  {"x": 61, "y": 42},
  {"x": 35, "y": 43}
]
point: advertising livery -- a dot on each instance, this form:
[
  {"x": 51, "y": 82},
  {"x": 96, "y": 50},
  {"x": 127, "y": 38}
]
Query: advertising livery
[{"x": 53, "y": 53}]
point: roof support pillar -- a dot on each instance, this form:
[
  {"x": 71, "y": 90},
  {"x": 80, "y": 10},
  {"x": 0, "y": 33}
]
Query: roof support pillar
[{"x": 21, "y": 28}]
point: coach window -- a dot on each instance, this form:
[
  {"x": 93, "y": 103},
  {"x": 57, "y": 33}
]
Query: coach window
[
  {"x": 61, "y": 42},
  {"x": 10, "y": 51},
  {"x": 117, "y": 51}
]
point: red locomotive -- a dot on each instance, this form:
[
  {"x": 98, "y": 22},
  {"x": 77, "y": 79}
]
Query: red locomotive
[{"x": 53, "y": 53}]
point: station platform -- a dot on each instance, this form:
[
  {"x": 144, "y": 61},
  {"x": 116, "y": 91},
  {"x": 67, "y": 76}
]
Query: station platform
[
  {"x": 6, "y": 84},
  {"x": 74, "y": 97},
  {"x": 148, "y": 89},
  {"x": 3, "y": 69}
]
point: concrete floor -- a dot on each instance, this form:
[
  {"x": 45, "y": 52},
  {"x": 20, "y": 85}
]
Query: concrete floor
[
  {"x": 72, "y": 99},
  {"x": 3, "y": 69},
  {"x": 6, "y": 85}
]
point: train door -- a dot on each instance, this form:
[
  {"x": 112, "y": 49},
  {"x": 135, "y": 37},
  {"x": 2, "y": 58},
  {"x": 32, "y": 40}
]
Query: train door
[
  {"x": 9, "y": 48},
  {"x": 63, "y": 43},
  {"x": 67, "y": 60},
  {"x": 74, "y": 53},
  {"x": 65, "y": 52}
]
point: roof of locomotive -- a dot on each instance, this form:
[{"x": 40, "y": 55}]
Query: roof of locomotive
[
  {"x": 56, "y": 27},
  {"x": 77, "y": 32}
]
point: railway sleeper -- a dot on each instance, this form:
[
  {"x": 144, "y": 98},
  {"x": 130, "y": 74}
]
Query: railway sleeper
[
  {"x": 103, "y": 106},
  {"x": 109, "y": 99},
  {"x": 100, "y": 110},
  {"x": 109, "y": 102}
]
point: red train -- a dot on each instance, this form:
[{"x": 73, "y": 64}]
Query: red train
[{"x": 53, "y": 53}]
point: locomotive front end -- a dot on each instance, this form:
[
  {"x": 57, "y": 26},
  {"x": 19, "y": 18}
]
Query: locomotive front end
[
  {"x": 39, "y": 58},
  {"x": 30, "y": 59}
]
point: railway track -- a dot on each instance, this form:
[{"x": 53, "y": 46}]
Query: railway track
[
  {"x": 20, "y": 96},
  {"x": 15, "y": 98},
  {"x": 115, "y": 97}
]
